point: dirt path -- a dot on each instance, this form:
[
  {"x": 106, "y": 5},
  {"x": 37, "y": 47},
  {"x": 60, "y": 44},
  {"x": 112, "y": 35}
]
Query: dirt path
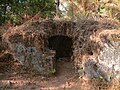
[{"x": 65, "y": 79}]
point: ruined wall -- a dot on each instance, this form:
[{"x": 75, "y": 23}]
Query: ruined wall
[
  {"x": 103, "y": 63},
  {"x": 30, "y": 47}
]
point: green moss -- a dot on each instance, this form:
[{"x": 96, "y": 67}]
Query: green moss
[{"x": 52, "y": 70}]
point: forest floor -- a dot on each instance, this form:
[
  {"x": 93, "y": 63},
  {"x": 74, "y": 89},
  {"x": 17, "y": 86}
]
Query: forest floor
[{"x": 64, "y": 79}]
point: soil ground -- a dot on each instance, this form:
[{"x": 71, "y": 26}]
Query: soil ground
[{"x": 65, "y": 79}]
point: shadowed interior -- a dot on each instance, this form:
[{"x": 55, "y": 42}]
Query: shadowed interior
[{"x": 62, "y": 45}]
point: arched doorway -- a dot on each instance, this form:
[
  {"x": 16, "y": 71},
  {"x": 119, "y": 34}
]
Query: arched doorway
[{"x": 62, "y": 45}]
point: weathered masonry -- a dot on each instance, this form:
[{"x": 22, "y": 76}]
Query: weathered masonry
[{"x": 94, "y": 51}]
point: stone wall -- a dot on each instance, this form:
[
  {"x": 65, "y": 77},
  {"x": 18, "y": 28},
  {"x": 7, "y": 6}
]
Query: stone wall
[{"x": 93, "y": 51}]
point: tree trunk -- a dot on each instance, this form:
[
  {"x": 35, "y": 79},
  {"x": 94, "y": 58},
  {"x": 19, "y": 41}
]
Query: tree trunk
[{"x": 57, "y": 7}]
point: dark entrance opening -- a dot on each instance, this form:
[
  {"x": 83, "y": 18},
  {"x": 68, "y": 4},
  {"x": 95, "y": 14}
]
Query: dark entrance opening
[{"x": 62, "y": 45}]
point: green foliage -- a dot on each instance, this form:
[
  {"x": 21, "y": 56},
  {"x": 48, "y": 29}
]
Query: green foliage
[
  {"x": 52, "y": 71},
  {"x": 18, "y": 11},
  {"x": 103, "y": 8}
]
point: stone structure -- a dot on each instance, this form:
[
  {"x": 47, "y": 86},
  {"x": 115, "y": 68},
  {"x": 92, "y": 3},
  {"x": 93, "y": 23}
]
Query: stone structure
[
  {"x": 94, "y": 53},
  {"x": 104, "y": 64}
]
